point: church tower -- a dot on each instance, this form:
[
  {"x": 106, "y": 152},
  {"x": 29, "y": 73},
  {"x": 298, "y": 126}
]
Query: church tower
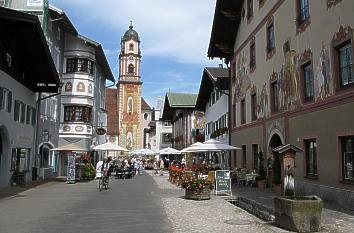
[{"x": 129, "y": 91}]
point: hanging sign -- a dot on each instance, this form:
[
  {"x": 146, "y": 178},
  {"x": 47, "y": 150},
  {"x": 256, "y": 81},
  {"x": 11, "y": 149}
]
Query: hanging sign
[
  {"x": 101, "y": 131},
  {"x": 34, "y": 2}
]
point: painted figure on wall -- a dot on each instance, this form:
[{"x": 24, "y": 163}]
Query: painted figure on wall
[
  {"x": 262, "y": 106},
  {"x": 243, "y": 82},
  {"x": 130, "y": 105},
  {"x": 288, "y": 81},
  {"x": 323, "y": 74},
  {"x": 129, "y": 140}
]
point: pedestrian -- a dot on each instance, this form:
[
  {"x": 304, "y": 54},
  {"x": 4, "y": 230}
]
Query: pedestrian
[
  {"x": 141, "y": 167},
  {"x": 162, "y": 166}
]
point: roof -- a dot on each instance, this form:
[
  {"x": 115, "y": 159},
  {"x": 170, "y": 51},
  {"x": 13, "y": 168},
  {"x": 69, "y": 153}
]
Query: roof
[
  {"x": 60, "y": 17},
  {"x": 174, "y": 101},
  {"x": 100, "y": 57},
  {"x": 131, "y": 34},
  {"x": 227, "y": 18},
  {"x": 144, "y": 105},
  {"x": 212, "y": 77},
  {"x": 32, "y": 53},
  {"x": 184, "y": 100},
  {"x": 112, "y": 109}
]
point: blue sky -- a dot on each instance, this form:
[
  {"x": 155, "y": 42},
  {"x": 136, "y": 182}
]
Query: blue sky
[{"x": 174, "y": 38}]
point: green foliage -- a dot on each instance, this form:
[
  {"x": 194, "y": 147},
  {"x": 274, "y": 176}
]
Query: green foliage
[
  {"x": 261, "y": 171},
  {"x": 88, "y": 171}
]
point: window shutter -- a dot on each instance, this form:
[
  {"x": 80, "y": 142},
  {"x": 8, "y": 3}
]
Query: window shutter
[
  {"x": 1, "y": 98},
  {"x": 9, "y": 101}
]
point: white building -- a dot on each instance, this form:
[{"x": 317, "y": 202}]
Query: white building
[
  {"x": 213, "y": 99},
  {"x": 24, "y": 72}
]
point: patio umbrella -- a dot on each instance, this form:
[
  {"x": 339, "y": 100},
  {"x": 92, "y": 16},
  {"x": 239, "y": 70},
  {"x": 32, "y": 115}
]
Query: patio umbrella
[
  {"x": 186, "y": 150},
  {"x": 110, "y": 146},
  {"x": 212, "y": 145},
  {"x": 69, "y": 147},
  {"x": 169, "y": 151},
  {"x": 142, "y": 152}
]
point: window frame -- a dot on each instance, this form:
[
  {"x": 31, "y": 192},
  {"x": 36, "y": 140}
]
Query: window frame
[
  {"x": 234, "y": 115},
  {"x": 338, "y": 48},
  {"x": 254, "y": 106},
  {"x": 275, "y": 106},
  {"x": 306, "y": 97},
  {"x": 270, "y": 37},
  {"x": 244, "y": 156},
  {"x": 252, "y": 56},
  {"x": 302, "y": 23},
  {"x": 74, "y": 113},
  {"x": 311, "y": 167},
  {"x": 250, "y": 9},
  {"x": 243, "y": 111},
  {"x": 342, "y": 165},
  {"x": 131, "y": 69},
  {"x": 255, "y": 156}
]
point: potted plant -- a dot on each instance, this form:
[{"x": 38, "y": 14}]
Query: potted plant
[
  {"x": 88, "y": 172},
  {"x": 196, "y": 188},
  {"x": 277, "y": 174},
  {"x": 261, "y": 177}
]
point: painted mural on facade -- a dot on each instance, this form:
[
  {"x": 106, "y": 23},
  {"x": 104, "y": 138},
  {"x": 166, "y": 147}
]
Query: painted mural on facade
[
  {"x": 263, "y": 105},
  {"x": 322, "y": 74},
  {"x": 243, "y": 82}
]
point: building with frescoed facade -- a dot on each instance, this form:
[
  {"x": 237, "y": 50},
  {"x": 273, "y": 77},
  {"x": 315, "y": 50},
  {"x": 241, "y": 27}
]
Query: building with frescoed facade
[
  {"x": 187, "y": 123},
  {"x": 19, "y": 88},
  {"x": 292, "y": 82},
  {"x": 129, "y": 91}
]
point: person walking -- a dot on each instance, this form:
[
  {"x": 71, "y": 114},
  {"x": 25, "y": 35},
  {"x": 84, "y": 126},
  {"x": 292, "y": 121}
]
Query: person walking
[{"x": 162, "y": 166}]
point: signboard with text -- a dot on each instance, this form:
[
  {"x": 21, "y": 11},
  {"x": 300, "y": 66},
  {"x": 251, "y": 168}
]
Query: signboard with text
[
  {"x": 223, "y": 182},
  {"x": 70, "y": 179}
]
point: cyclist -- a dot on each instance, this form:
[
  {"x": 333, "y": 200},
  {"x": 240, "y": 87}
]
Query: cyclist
[{"x": 103, "y": 171}]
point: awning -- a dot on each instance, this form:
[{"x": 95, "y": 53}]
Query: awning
[
  {"x": 69, "y": 147},
  {"x": 169, "y": 151},
  {"x": 212, "y": 145},
  {"x": 109, "y": 147}
]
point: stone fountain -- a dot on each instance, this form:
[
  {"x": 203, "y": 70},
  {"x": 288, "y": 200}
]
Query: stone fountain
[{"x": 295, "y": 213}]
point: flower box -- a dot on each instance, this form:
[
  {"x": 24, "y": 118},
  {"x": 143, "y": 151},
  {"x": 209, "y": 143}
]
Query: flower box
[{"x": 199, "y": 196}]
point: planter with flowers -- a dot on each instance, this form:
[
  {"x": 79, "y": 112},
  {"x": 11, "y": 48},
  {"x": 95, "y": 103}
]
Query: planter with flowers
[
  {"x": 175, "y": 174},
  {"x": 196, "y": 188}
]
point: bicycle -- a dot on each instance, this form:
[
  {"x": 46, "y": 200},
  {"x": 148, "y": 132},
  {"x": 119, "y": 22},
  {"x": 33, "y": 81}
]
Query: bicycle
[{"x": 103, "y": 182}]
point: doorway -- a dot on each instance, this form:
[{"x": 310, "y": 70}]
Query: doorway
[{"x": 274, "y": 166}]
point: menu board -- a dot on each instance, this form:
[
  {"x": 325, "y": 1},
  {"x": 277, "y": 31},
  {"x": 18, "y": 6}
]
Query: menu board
[
  {"x": 70, "y": 179},
  {"x": 223, "y": 182}
]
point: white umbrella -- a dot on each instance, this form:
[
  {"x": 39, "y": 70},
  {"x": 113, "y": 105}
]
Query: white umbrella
[
  {"x": 169, "y": 151},
  {"x": 142, "y": 152},
  {"x": 110, "y": 146},
  {"x": 212, "y": 145},
  {"x": 185, "y": 150}
]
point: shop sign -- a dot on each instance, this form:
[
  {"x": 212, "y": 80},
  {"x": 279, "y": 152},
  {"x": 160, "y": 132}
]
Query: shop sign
[
  {"x": 70, "y": 179},
  {"x": 101, "y": 131}
]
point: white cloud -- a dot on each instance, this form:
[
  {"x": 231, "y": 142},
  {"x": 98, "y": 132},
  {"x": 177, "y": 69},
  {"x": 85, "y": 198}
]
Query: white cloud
[{"x": 175, "y": 29}]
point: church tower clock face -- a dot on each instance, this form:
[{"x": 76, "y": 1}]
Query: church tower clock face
[{"x": 129, "y": 91}]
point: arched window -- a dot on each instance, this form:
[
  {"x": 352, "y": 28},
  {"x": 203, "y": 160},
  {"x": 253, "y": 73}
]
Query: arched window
[
  {"x": 130, "y": 105},
  {"x": 131, "y": 69},
  {"x": 131, "y": 47},
  {"x": 68, "y": 86}
]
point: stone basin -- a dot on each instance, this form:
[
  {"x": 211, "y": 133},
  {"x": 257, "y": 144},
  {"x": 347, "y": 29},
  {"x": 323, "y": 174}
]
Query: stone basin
[{"x": 299, "y": 214}]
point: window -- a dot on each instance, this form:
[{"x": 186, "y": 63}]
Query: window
[
  {"x": 234, "y": 115},
  {"x": 270, "y": 38},
  {"x": 146, "y": 116},
  {"x": 70, "y": 65},
  {"x": 275, "y": 96},
  {"x": 311, "y": 157},
  {"x": 77, "y": 113},
  {"x": 131, "y": 47},
  {"x": 243, "y": 111},
  {"x": 17, "y": 111},
  {"x": 308, "y": 82},
  {"x": 28, "y": 115},
  {"x": 249, "y": 9},
  {"x": 253, "y": 55},
  {"x": 20, "y": 159},
  {"x": 345, "y": 65},
  {"x": 255, "y": 156},
  {"x": 5, "y": 99},
  {"x": 244, "y": 156},
  {"x": 254, "y": 106},
  {"x": 34, "y": 117},
  {"x": 79, "y": 65},
  {"x": 303, "y": 13},
  {"x": 348, "y": 158},
  {"x": 23, "y": 113},
  {"x": 131, "y": 69}
]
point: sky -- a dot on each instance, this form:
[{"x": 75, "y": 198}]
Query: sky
[{"x": 174, "y": 38}]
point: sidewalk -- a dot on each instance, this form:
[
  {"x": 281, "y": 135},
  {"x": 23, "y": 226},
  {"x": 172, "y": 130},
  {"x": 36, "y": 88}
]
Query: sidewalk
[
  {"x": 333, "y": 219},
  {"x": 214, "y": 215}
]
